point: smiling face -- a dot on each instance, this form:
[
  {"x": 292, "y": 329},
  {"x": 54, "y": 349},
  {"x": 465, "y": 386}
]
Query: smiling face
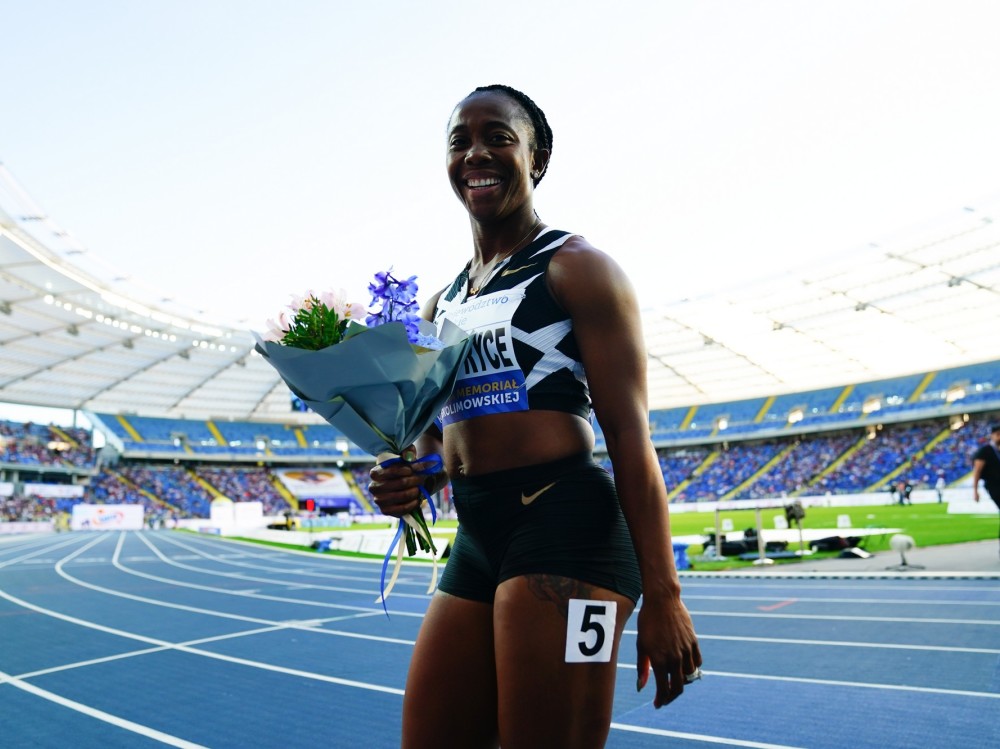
[{"x": 491, "y": 154}]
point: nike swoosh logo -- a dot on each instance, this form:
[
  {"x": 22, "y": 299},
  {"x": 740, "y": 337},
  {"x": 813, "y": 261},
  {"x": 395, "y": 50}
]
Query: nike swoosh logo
[
  {"x": 511, "y": 271},
  {"x": 527, "y": 499}
]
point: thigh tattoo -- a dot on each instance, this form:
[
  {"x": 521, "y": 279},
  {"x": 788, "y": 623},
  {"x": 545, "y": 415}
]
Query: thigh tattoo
[{"x": 558, "y": 590}]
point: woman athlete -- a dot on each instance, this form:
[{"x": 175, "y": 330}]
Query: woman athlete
[{"x": 519, "y": 646}]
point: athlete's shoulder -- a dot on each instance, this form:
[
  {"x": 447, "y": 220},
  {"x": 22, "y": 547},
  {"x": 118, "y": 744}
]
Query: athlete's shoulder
[{"x": 578, "y": 256}]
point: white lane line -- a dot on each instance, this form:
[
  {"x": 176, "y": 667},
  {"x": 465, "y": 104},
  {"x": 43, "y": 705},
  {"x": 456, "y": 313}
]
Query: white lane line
[
  {"x": 142, "y": 599},
  {"x": 13, "y": 541},
  {"x": 88, "y": 662},
  {"x": 824, "y": 584},
  {"x": 359, "y": 615},
  {"x": 272, "y": 581},
  {"x": 842, "y": 643},
  {"x": 322, "y": 568},
  {"x": 860, "y": 575},
  {"x": 687, "y": 585},
  {"x": 368, "y": 612},
  {"x": 363, "y": 685},
  {"x": 877, "y": 601},
  {"x": 793, "y": 679},
  {"x": 725, "y": 741},
  {"x": 318, "y": 563},
  {"x": 93, "y": 712},
  {"x": 44, "y": 550},
  {"x": 211, "y": 612},
  {"x": 319, "y": 570},
  {"x": 784, "y": 616},
  {"x": 143, "y": 651},
  {"x": 204, "y": 653},
  {"x": 244, "y": 594},
  {"x": 835, "y": 617},
  {"x": 839, "y": 683}
]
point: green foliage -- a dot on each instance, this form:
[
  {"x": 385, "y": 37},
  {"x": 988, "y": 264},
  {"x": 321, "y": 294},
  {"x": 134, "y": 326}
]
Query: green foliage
[{"x": 315, "y": 326}]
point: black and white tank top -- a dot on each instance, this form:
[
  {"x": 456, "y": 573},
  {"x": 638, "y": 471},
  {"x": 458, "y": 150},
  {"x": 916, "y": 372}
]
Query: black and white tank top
[{"x": 524, "y": 355}]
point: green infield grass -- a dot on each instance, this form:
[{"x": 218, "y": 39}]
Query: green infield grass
[{"x": 928, "y": 524}]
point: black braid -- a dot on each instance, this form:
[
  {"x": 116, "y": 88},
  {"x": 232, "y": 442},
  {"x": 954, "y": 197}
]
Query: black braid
[{"x": 539, "y": 124}]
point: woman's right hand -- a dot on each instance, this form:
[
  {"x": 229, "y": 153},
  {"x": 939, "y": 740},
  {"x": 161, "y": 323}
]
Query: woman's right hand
[{"x": 396, "y": 487}]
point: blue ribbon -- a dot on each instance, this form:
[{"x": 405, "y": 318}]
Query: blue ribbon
[
  {"x": 434, "y": 464},
  {"x": 385, "y": 562}
]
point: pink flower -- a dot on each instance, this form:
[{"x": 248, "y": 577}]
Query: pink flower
[
  {"x": 334, "y": 299},
  {"x": 277, "y": 327}
]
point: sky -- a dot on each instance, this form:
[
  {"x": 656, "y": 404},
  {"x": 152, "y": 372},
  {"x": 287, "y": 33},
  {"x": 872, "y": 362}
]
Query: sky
[{"x": 228, "y": 154}]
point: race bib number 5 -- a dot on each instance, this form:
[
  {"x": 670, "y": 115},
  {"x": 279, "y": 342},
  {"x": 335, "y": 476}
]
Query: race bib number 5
[{"x": 590, "y": 631}]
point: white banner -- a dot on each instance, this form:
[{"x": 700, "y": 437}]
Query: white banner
[
  {"x": 315, "y": 483},
  {"x": 106, "y": 518},
  {"x": 53, "y": 490}
]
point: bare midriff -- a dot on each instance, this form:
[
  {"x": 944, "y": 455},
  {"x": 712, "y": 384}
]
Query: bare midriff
[{"x": 501, "y": 441}]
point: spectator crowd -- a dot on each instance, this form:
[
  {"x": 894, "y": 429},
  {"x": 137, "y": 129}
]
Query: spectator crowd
[{"x": 876, "y": 458}]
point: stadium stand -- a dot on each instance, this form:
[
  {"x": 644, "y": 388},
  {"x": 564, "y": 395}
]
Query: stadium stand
[
  {"x": 38, "y": 445},
  {"x": 859, "y": 438},
  {"x": 26, "y": 508},
  {"x": 161, "y": 437},
  {"x": 245, "y": 485}
]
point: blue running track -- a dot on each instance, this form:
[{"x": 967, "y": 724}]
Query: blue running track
[{"x": 145, "y": 639}]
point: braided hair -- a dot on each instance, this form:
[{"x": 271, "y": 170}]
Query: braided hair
[{"x": 539, "y": 124}]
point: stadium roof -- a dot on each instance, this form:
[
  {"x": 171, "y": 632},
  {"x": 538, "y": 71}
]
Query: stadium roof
[
  {"x": 922, "y": 302},
  {"x": 74, "y": 336}
]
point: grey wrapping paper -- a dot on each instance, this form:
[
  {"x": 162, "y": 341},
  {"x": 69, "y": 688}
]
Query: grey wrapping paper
[{"x": 376, "y": 387}]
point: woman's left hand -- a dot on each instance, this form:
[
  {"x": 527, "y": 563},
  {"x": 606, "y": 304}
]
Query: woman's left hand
[{"x": 666, "y": 642}]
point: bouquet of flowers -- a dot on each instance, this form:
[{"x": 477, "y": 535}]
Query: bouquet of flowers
[{"x": 380, "y": 378}]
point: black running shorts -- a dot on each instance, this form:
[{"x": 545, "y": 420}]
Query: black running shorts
[{"x": 561, "y": 518}]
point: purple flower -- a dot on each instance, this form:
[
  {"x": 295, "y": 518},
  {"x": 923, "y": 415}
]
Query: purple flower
[
  {"x": 380, "y": 288},
  {"x": 405, "y": 292},
  {"x": 398, "y": 303}
]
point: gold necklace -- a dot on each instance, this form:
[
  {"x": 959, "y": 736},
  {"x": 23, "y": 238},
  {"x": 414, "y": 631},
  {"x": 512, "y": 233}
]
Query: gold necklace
[{"x": 497, "y": 259}]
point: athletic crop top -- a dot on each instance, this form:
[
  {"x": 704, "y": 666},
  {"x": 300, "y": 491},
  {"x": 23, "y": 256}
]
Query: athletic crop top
[{"x": 524, "y": 355}]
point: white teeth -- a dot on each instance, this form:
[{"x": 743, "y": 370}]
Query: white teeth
[{"x": 483, "y": 182}]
